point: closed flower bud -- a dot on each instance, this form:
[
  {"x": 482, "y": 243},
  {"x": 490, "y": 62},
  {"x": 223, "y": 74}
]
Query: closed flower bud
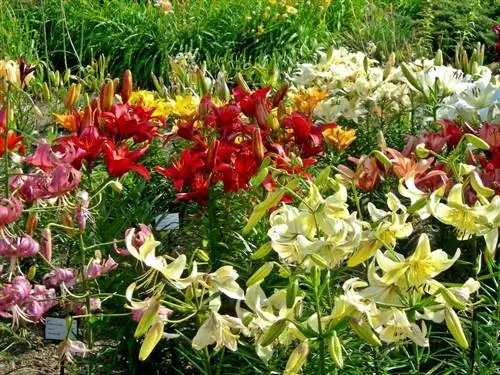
[
  {"x": 454, "y": 326},
  {"x": 242, "y": 84},
  {"x": 31, "y": 273},
  {"x": 156, "y": 83},
  {"x": 319, "y": 261},
  {"x": 46, "y": 92},
  {"x": 382, "y": 158},
  {"x": 258, "y": 145},
  {"x": 451, "y": 299},
  {"x": 315, "y": 276},
  {"x": 421, "y": 151},
  {"x": 107, "y": 95},
  {"x": 476, "y": 141},
  {"x": 46, "y": 244},
  {"x": 291, "y": 293},
  {"x": 280, "y": 95},
  {"x": 72, "y": 95},
  {"x": 410, "y": 77},
  {"x": 363, "y": 330},
  {"x": 390, "y": 64},
  {"x": 297, "y": 359},
  {"x": 202, "y": 255},
  {"x": 438, "y": 59},
  {"x": 66, "y": 76},
  {"x": 221, "y": 89},
  {"x": 116, "y": 186},
  {"x": 381, "y": 143},
  {"x": 127, "y": 86},
  {"x": 262, "y": 251},
  {"x": 31, "y": 223},
  {"x": 335, "y": 350},
  {"x": 67, "y": 221},
  {"x": 274, "y": 332},
  {"x": 261, "y": 273}
]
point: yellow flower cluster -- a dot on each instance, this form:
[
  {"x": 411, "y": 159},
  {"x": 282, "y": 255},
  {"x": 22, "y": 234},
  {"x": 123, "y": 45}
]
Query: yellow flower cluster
[
  {"x": 185, "y": 106},
  {"x": 339, "y": 137},
  {"x": 306, "y": 100}
]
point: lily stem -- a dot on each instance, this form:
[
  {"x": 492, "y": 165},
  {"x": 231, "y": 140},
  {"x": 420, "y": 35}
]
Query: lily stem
[{"x": 321, "y": 338}]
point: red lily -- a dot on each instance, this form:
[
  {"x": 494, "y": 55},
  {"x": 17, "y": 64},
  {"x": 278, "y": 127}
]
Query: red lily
[
  {"x": 184, "y": 169},
  {"x": 125, "y": 121},
  {"x": 121, "y": 160},
  {"x": 13, "y": 141},
  {"x": 248, "y": 100}
]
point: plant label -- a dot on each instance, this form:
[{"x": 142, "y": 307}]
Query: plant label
[
  {"x": 167, "y": 221},
  {"x": 55, "y": 329}
]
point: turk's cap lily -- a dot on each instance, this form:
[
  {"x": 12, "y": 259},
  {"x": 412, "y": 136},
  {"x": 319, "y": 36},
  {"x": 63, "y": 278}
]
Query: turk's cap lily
[{"x": 69, "y": 348}]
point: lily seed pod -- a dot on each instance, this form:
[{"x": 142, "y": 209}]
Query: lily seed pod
[
  {"x": 31, "y": 223},
  {"x": 454, "y": 326},
  {"x": 261, "y": 273},
  {"x": 72, "y": 95},
  {"x": 297, "y": 359},
  {"x": 335, "y": 350},
  {"x": 46, "y": 244},
  {"x": 363, "y": 330},
  {"x": 274, "y": 332},
  {"x": 127, "y": 86},
  {"x": 291, "y": 293}
]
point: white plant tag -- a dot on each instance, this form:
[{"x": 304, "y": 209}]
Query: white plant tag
[
  {"x": 167, "y": 221},
  {"x": 55, "y": 329}
]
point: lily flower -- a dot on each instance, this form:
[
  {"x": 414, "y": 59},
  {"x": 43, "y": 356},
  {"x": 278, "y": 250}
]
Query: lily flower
[
  {"x": 218, "y": 329},
  {"x": 417, "y": 268}
]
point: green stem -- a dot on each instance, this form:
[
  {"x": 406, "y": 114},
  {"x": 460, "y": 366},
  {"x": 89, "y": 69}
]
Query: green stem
[
  {"x": 90, "y": 335},
  {"x": 321, "y": 338},
  {"x": 6, "y": 142},
  {"x": 473, "y": 340}
]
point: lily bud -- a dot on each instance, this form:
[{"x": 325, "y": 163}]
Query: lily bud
[
  {"x": 156, "y": 83},
  {"x": 107, "y": 95},
  {"x": 366, "y": 64},
  {"x": 242, "y": 84},
  {"x": 31, "y": 273},
  {"x": 221, "y": 89},
  {"x": 87, "y": 118},
  {"x": 127, "y": 86},
  {"x": 291, "y": 293},
  {"x": 381, "y": 157},
  {"x": 31, "y": 223},
  {"x": 261, "y": 113},
  {"x": 319, "y": 261},
  {"x": 274, "y": 332},
  {"x": 438, "y": 59},
  {"x": 381, "y": 143},
  {"x": 421, "y": 151},
  {"x": 335, "y": 350},
  {"x": 390, "y": 64},
  {"x": 202, "y": 255},
  {"x": 476, "y": 141},
  {"x": 46, "y": 95},
  {"x": 280, "y": 94},
  {"x": 46, "y": 244},
  {"x": 451, "y": 299},
  {"x": 72, "y": 95},
  {"x": 67, "y": 221},
  {"x": 363, "y": 330},
  {"x": 262, "y": 251},
  {"x": 315, "y": 276},
  {"x": 297, "y": 359},
  {"x": 261, "y": 273},
  {"x": 411, "y": 77},
  {"x": 201, "y": 82},
  {"x": 67, "y": 75},
  {"x": 116, "y": 186},
  {"x": 454, "y": 326},
  {"x": 257, "y": 145}
]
